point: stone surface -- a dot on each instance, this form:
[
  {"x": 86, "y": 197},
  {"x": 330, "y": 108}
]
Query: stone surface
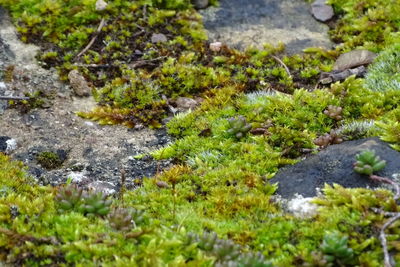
[
  {"x": 321, "y": 11},
  {"x": 334, "y": 165},
  {"x": 78, "y": 83},
  {"x": 243, "y": 23},
  {"x": 353, "y": 59}
]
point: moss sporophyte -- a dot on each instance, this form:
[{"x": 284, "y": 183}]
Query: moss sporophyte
[{"x": 216, "y": 206}]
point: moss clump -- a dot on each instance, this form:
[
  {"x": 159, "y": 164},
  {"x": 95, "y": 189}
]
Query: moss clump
[
  {"x": 49, "y": 160},
  {"x": 383, "y": 74}
]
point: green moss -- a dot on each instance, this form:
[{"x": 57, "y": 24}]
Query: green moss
[
  {"x": 383, "y": 74},
  {"x": 49, "y": 159}
]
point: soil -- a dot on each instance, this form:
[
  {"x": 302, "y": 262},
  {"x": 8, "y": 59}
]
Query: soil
[{"x": 92, "y": 152}]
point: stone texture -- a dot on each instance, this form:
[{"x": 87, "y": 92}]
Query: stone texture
[
  {"x": 321, "y": 11},
  {"x": 243, "y": 23},
  {"x": 78, "y": 83},
  {"x": 353, "y": 59},
  {"x": 334, "y": 165}
]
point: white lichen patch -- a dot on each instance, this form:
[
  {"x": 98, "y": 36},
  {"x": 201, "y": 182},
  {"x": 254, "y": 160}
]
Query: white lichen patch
[
  {"x": 11, "y": 145},
  {"x": 302, "y": 207}
]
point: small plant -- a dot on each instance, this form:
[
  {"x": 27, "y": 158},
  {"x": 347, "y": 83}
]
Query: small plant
[
  {"x": 121, "y": 219},
  {"x": 226, "y": 250},
  {"x": 95, "y": 204},
  {"x": 367, "y": 162},
  {"x": 69, "y": 197},
  {"x": 327, "y": 139},
  {"x": 336, "y": 251},
  {"x": 238, "y": 127},
  {"x": 334, "y": 112}
]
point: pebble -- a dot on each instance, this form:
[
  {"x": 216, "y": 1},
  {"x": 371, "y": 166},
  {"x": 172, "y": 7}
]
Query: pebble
[{"x": 321, "y": 11}]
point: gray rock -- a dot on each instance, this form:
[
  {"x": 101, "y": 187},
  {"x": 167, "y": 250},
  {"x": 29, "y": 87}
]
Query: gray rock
[
  {"x": 353, "y": 59},
  {"x": 103, "y": 187},
  {"x": 321, "y": 11},
  {"x": 200, "y": 4},
  {"x": 158, "y": 38},
  {"x": 334, "y": 165},
  {"x": 78, "y": 83},
  {"x": 241, "y": 24}
]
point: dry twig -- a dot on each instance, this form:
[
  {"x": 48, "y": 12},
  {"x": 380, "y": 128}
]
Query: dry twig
[
  {"x": 3, "y": 97},
  {"x": 101, "y": 25},
  {"x": 394, "y": 217},
  {"x": 283, "y": 65}
]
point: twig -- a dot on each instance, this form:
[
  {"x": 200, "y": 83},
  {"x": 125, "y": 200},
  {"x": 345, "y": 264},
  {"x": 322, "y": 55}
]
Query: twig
[
  {"x": 101, "y": 25},
  {"x": 382, "y": 236},
  {"x": 394, "y": 216},
  {"x": 283, "y": 65},
  {"x": 141, "y": 63},
  {"x": 14, "y": 97}
]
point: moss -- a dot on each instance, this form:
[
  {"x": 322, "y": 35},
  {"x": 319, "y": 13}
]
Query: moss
[
  {"x": 383, "y": 74},
  {"x": 49, "y": 160},
  {"x": 220, "y": 184}
]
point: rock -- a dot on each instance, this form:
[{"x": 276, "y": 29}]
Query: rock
[
  {"x": 158, "y": 38},
  {"x": 200, "y": 4},
  {"x": 321, "y": 11},
  {"x": 353, "y": 59},
  {"x": 78, "y": 83},
  {"x": 334, "y": 165},
  {"x": 185, "y": 103},
  {"x": 241, "y": 24},
  {"x": 104, "y": 187}
]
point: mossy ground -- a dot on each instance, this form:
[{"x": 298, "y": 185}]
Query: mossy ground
[{"x": 221, "y": 182}]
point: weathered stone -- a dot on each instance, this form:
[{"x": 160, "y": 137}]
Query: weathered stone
[
  {"x": 334, "y": 165},
  {"x": 185, "y": 103},
  {"x": 200, "y": 4},
  {"x": 321, "y": 11},
  {"x": 353, "y": 59},
  {"x": 78, "y": 83},
  {"x": 158, "y": 38},
  {"x": 241, "y": 24},
  {"x": 103, "y": 187}
]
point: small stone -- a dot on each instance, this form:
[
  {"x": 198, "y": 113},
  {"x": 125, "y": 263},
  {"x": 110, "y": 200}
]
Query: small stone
[
  {"x": 103, "y": 187},
  {"x": 353, "y": 59},
  {"x": 185, "y": 103},
  {"x": 101, "y": 5},
  {"x": 158, "y": 38},
  {"x": 200, "y": 4},
  {"x": 78, "y": 83},
  {"x": 321, "y": 11},
  {"x": 216, "y": 46}
]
